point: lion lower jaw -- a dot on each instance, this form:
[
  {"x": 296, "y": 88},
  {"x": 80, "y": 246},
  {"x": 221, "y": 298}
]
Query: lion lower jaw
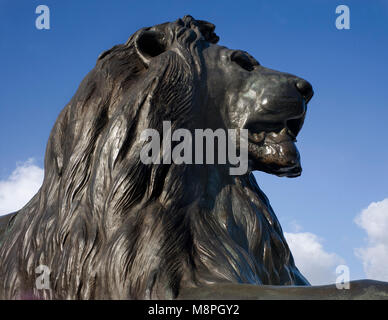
[{"x": 275, "y": 157}]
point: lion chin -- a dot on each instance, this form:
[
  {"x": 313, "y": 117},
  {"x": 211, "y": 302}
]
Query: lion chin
[
  {"x": 107, "y": 226},
  {"x": 277, "y": 151}
]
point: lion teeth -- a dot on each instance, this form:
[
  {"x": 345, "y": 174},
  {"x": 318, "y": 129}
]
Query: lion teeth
[
  {"x": 283, "y": 131},
  {"x": 258, "y": 137}
]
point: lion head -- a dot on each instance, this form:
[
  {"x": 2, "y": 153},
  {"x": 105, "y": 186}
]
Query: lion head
[
  {"x": 270, "y": 104},
  {"x": 107, "y": 225}
]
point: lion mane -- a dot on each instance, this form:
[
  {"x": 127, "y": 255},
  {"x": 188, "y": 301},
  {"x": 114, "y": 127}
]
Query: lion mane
[{"x": 110, "y": 227}]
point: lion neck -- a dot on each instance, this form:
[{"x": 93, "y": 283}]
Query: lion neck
[{"x": 225, "y": 232}]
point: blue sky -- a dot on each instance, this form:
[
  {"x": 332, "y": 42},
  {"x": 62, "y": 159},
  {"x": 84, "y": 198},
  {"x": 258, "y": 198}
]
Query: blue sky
[{"x": 343, "y": 143}]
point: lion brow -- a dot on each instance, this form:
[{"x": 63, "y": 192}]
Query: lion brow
[{"x": 206, "y": 28}]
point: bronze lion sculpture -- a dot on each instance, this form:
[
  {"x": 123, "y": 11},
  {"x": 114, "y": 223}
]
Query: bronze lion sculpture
[{"x": 108, "y": 226}]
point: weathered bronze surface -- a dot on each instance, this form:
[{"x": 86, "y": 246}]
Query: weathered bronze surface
[
  {"x": 108, "y": 226},
  {"x": 358, "y": 290}
]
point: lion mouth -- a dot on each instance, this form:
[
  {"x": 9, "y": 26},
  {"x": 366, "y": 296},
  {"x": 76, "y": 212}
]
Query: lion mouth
[
  {"x": 271, "y": 146},
  {"x": 258, "y": 129}
]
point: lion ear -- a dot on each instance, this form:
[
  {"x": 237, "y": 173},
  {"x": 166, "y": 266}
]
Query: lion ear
[{"x": 149, "y": 44}]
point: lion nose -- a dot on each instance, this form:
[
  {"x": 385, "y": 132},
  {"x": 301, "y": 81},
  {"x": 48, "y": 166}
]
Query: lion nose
[{"x": 305, "y": 89}]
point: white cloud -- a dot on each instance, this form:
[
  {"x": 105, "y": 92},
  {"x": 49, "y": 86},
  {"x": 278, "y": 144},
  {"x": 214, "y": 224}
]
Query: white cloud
[
  {"x": 374, "y": 256},
  {"x": 294, "y": 226},
  {"x": 317, "y": 265},
  {"x": 20, "y": 186}
]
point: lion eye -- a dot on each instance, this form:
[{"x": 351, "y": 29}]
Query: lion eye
[{"x": 243, "y": 60}]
